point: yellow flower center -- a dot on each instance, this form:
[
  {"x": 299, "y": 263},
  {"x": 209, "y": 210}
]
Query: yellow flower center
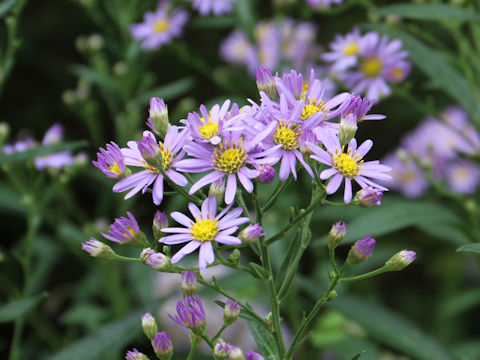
[
  {"x": 229, "y": 159},
  {"x": 287, "y": 136},
  {"x": 131, "y": 233},
  {"x": 346, "y": 164},
  {"x": 115, "y": 168},
  {"x": 150, "y": 168},
  {"x": 161, "y": 25},
  {"x": 204, "y": 230},
  {"x": 350, "y": 49},
  {"x": 208, "y": 130},
  {"x": 167, "y": 157},
  {"x": 372, "y": 67}
]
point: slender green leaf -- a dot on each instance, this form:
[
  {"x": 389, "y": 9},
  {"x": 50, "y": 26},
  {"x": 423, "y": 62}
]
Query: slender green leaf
[
  {"x": 246, "y": 16},
  {"x": 474, "y": 248},
  {"x": 264, "y": 340},
  {"x": 391, "y": 329},
  {"x": 40, "y": 151},
  {"x": 5, "y": 7},
  {"x": 218, "y": 22},
  {"x": 10, "y": 201},
  {"x": 102, "y": 80},
  {"x": 460, "y": 302},
  {"x": 356, "y": 357},
  {"x": 440, "y": 12},
  {"x": 17, "y": 308},
  {"x": 258, "y": 271},
  {"x": 168, "y": 91}
]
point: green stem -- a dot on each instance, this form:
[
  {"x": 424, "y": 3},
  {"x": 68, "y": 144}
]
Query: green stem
[
  {"x": 332, "y": 259},
  {"x": 192, "y": 352},
  {"x": 219, "y": 332},
  {"x": 366, "y": 275},
  {"x": 276, "y": 193}
]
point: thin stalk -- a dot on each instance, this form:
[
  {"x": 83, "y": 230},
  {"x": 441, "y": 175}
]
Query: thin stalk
[
  {"x": 219, "y": 332},
  {"x": 366, "y": 275},
  {"x": 192, "y": 351}
]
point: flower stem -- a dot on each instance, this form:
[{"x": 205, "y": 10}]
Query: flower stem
[
  {"x": 192, "y": 351},
  {"x": 366, "y": 275},
  {"x": 219, "y": 332}
]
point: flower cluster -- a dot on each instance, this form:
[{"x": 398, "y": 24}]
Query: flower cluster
[
  {"x": 438, "y": 150},
  {"x": 274, "y": 42},
  {"x": 322, "y": 4},
  {"x": 367, "y": 63}
]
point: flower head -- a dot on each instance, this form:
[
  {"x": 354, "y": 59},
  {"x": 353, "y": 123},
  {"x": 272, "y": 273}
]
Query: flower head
[
  {"x": 135, "y": 355},
  {"x": 156, "y": 260},
  {"x": 162, "y": 345},
  {"x": 267, "y": 173},
  {"x": 149, "y": 325},
  {"x": 251, "y": 233},
  {"x": 221, "y": 351},
  {"x": 337, "y": 233},
  {"x": 361, "y": 250},
  {"x": 236, "y": 353},
  {"x": 160, "y": 221},
  {"x": 252, "y": 355},
  {"x": 216, "y": 7},
  {"x": 98, "y": 249},
  {"x": 266, "y": 81},
  {"x": 231, "y": 311},
  {"x": 53, "y": 136},
  {"x": 111, "y": 161},
  {"x": 190, "y": 313},
  {"x": 208, "y": 226},
  {"x": 158, "y": 117},
  {"x": 189, "y": 283},
  {"x": 368, "y": 197},
  {"x": 400, "y": 260},
  {"x": 126, "y": 231}
]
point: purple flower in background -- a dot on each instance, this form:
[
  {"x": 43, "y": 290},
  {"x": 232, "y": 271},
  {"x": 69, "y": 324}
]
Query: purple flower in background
[
  {"x": 408, "y": 177},
  {"x": 19, "y": 146},
  {"x": 207, "y": 227},
  {"x": 126, "y": 230},
  {"x": 462, "y": 176},
  {"x": 160, "y": 27},
  {"x": 237, "y": 49},
  {"x": 151, "y": 156},
  {"x": 321, "y": 4},
  {"x": 54, "y": 136},
  {"x": 252, "y": 355},
  {"x": 135, "y": 355},
  {"x": 190, "y": 313},
  {"x": 344, "y": 51},
  {"x": 348, "y": 165},
  {"x": 111, "y": 161},
  {"x": 217, "y": 7},
  {"x": 162, "y": 345},
  {"x": 359, "y": 107}
]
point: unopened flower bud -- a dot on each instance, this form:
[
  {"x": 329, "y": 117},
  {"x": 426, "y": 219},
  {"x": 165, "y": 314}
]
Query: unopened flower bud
[
  {"x": 98, "y": 249},
  {"x": 217, "y": 189},
  {"x": 336, "y": 234},
  {"x": 251, "y": 234},
  {"x": 95, "y": 42},
  {"x": 361, "y": 250},
  {"x": 348, "y": 128},
  {"x": 266, "y": 81},
  {"x": 236, "y": 353},
  {"x": 332, "y": 295},
  {"x": 160, "y": 221},
  {"x": 400, "y": 260},
  {"x": 149, "y": 325},
  {"x": 368, "y": 197},
  {"x": 267, "y": 174},
  {"x": 158, "y": 117},
  {"x": 231, "y": 311},
  {"x": 235, "y": 255},
  {"x": 162, "y": 345},
  {"x": 252, "y": 355},
  {"x": 221, "y": 351},
  {"x": 158, "y": 261},
  {"x": 135, "y": 355},
  {"x": 189, "y": 283}
]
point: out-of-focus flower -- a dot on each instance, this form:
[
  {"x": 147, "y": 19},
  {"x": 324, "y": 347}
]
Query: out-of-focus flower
[
  {"x": 231, "y": 311},
  {"x": 216, "y": 7},
  {"x": 344, "y": 50},
  {"x": 463, "y": 176},
  {"x": 252, "y": 355},
  {"x": 189, "y": 283},
  {"x": 149, "y": 325},
  {"x": 221, "y": 350},
  {"x": 400, "y": 260},
  {"x": 54, "y": 136},
  {"x": 135, "y": 355},
  {"x": 236, "y": 353},
  {"x": 160, "y": 27},
  {"x": 321, "y": 4}
]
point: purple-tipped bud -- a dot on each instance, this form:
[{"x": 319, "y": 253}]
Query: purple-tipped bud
[
  {"x": 162, "y": 345},
  {"x": 135, "y": 355},
  {"x": 189, "y": 283},
  {"x": 221, "y": 350},
  {"x": 111, "y": 162},
  {"x": 160, "y": 221},
  {"x": 158, "y": 117},
  {"x": 150, "y": 150},
  {"x": 98, "y": 249},
  {"x": 336, "y": 234},
  {"x": 217, "y": 189},
  {"x": 231, "y": 311},
  {"x": 400, "y": 260},
  {"x": 267, "y": 174},
  {"x": 156, "y": 260},
  {"x": 251, "y": 233},
  {"x": 361, "y": 250},
  {"x": 368, "y": 197},
  {"x": 149, "y": 325},
  {"x": 236, "y": 353},
  {"x": 190, "y": 313},
  {"x": 54, "y": 135},
  {"x": 126, "y": 231},
  {"x": 252, "y": 355},
  {"x": 348, "y": 128},
  {"x": 266, "y": 81}
]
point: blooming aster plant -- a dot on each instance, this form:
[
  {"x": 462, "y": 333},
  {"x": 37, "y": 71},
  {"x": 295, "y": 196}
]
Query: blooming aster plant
[{"x": 295, "y": 128}]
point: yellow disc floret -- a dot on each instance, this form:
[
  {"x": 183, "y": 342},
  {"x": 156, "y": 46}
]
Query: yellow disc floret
[
  {"x": 229, "y": 158},
  {"x": 204, "y": 230},
  {"x": 347, "y": 164},
  {"x": 287, "y": 136},
  {"x": 372, "y": 67},
  {"x": 208, "y": 130},
  {"x": 115, "y": 168},
  {"x": 131, "y": 232},
  {"x": 167, "y": 157},
  {"x": 160, "y": 26},
  {"x": 350, "y": 49}
]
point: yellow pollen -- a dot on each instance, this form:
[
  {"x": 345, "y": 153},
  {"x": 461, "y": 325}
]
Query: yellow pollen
[
  {"x": 161, "y": 26},
  {"x": 309, "y": 110},
  {"x": 229, "y": 159},
  {"x": 350, "y": 49},
  {"x": 397, "y": 74},
  {"x": 150, "y": 168},
  {"x": 204, "y": 230},
  {"x": 208, "y": 130},
  {"x": 372, "y": 67},
  {"x": 346, "y": 165},
  {"x": 115, "y": 168},
  {"x": 287, "y": 136},
  {"x": 167, "y": 157},
  {"x": 131, "y": 234}
]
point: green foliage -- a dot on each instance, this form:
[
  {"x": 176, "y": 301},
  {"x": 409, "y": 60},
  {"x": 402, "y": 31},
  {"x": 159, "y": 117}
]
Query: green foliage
[
  {"x": 435, "y": 12},
  {"x": 17, "y": 308}
]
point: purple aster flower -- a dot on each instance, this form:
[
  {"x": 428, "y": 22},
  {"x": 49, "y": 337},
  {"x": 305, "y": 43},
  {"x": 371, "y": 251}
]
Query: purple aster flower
[
  {"x": 157, "y": 159},
  {"x": 401, "y": 260},
  {"x": 160, "y": 27},
  {"x": 268, "y": 39},
  {"x": 126, "y": 231},
  {"x": 252, "y": 355},
  {"x": 359, "y": 107},
  {"x": 457, "y": 118},
  {"x": 189, "y": 283},
  {"x": 251, "y": 233},
  {"x": 344, "y": 51},
  {"x": 190, "y": 313},
  {"x": 216, "y": 7},
  {"x": 408, "y": 177},
  {"x": 53, "y": 136},
  {"x": 369, "y": 196},
  {"x": 19, "y": 146},
  {"x": 208, "y": 226},
  {"x": 98, "y": 249},
  {"x": 267, "y": 173},
  {"x": 135, "y": 355},
  {"x": 337, "y": 234},
  {"x": 221, "y": 350},
  {"x": 231, "y": 311},
  {"x": 361, "y": 250},
  {"x": 111, "y": 161},
  {"x": 462, "y": 176},
  {"x": 348, "y": 165},
  {"x": 237, "y": 49},
  {"x": 162, "y": 345},
  {"x": 321, "y": 4},
  {"x": 156, "y": 260},
  {"x": 298, "y": 42}
]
